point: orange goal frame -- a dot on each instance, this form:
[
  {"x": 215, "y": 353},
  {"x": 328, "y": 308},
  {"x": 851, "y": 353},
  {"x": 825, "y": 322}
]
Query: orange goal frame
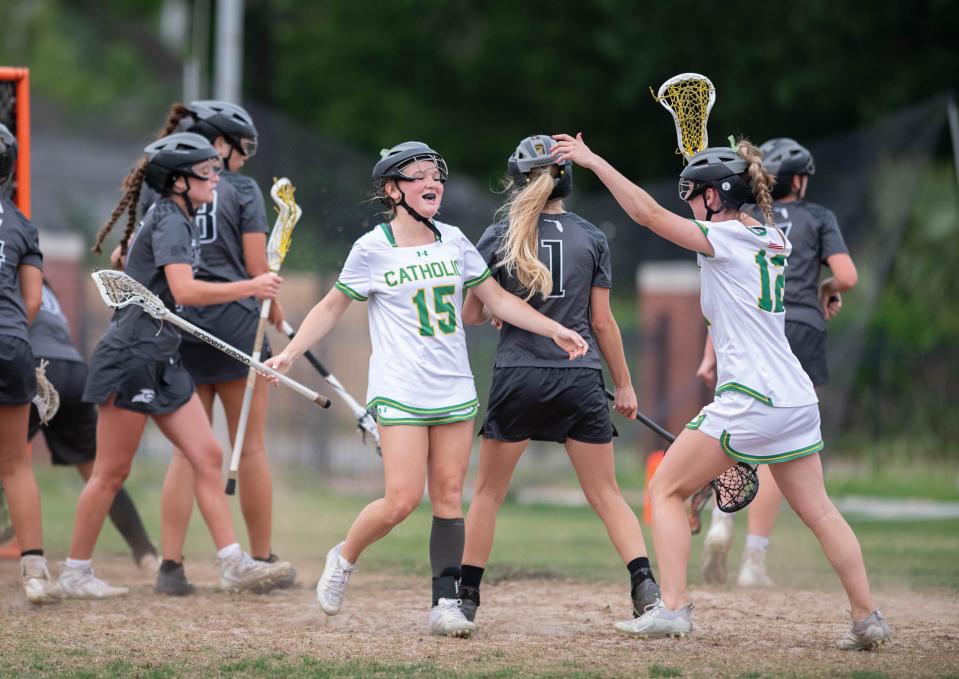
[{"x": 21, "y": 78}]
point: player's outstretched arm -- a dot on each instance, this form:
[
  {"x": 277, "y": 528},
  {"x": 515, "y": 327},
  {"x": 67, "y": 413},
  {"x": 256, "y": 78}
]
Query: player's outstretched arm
[
  {"x": 315, "y": 327},
  {"x": 638, "y": 204},
  {"x": 515, "y": 311}
]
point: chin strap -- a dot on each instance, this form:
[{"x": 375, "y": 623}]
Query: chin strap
[
  {"x": 416, "y": 215},
  {"x": 709, "y": 211},
  {"x": 186, "y": 198}
]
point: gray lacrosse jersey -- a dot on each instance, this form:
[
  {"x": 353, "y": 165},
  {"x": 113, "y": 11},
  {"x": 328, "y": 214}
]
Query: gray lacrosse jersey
[
  {"x": 815, "y": 235},
  {"x": 577, "y": 255},
  {"x": 19, "y": 245},
  {"x": 50, "y": 331},
  {"x": 165, "y": 236}
]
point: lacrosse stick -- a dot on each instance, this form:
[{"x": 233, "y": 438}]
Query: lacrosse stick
[
  {"x": 288, "y": 214},
  {"x": 734, "y": 488},
  {"x": 689, "y": 97},
  {"x": 119, "y": 290},
  {"x": 47, "y": 400},
  {"x": 364, "y": 420}
]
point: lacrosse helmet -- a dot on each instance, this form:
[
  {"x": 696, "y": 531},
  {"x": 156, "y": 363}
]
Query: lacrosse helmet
[
  {"x": 215, "y": 118},
  {"x": 390, "y": 167},
  {"x": 175, "y": 155},
  {"x": 8, "y": 152},
  {"x": 718, "y": 168},
  {"x": 785, "y": 157},
  {"x": 533, "y": 152}
]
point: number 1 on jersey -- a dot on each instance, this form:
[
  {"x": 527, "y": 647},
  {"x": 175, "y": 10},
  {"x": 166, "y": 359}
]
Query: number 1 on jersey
[
  {"x": 766, "y": 296},
  {"x": 555, "y": 248},
  {"x": 441, "y": 306}
]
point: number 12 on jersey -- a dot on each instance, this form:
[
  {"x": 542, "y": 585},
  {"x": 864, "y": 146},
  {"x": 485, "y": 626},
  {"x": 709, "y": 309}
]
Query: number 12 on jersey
[
  {"x": 441, "y": 307},
  {"x": 765, "y": 298}
]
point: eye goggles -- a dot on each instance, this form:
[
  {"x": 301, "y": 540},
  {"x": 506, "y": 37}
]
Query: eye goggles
[
  {"x": 436, "y": 160},
  {"x": 207, "y": 169},
  {"x": 248, "y": 146},
  {"x": 689, "y": 188}
]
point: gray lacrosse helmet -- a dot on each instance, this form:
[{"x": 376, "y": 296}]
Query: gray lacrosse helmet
[
  {"x": 8, "y": 152},
  {"x": 216, "y": 118},
  {"x": 785, "y": 157},
  {"x": 393, "y": 160},
  {"x": 719, "y": 168},
  {"x": 533, "y": 152},
  {"x": 174, "y": 156}
]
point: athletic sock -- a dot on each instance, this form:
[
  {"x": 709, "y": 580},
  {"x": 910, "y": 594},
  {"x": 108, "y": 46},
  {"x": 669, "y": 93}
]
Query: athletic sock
[
  {"x": 78, "y": 563},
  {"x": 447, "y": 537},
  {"x": 471, "y": 576},
  {"x": 640, "y": 570},
  {"x": 444, "y": 585},
  {"x": 754, "y": 541},
  {"x": 124, "y": 515},
  {"x": 31, "y": 552},
  {"x": 229, "y": 551}
]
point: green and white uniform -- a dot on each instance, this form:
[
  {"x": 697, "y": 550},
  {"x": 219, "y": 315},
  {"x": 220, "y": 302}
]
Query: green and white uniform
[
  {"x": 419, "y": 370},
  {"x": 766, "y": 407}
]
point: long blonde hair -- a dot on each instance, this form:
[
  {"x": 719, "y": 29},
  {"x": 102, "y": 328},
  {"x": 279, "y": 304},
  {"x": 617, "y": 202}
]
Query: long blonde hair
[
  {"x": 760, "y": 181},
  {"x": 518, "y": 254}
]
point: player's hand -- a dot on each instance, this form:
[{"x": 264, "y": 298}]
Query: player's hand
[
  {"x": 281, "y": 363},
  {"x": 495, "y": 322},
  {"x": 831, "y": 302},
  {"x": 570, "y": 342},
  {"x": 576, "y": 150},
  {"x": 625, "y": 402},
  {"x": 707, "y": 370},
  {"x": 266, "y": 286},
  {"x": 116, "y": 259},
  {"x": 276, "y": 316}
]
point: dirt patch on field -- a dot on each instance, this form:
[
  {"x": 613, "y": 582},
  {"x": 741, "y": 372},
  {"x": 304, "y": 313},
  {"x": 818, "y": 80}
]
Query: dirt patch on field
[{"x": 527, "y": 627}]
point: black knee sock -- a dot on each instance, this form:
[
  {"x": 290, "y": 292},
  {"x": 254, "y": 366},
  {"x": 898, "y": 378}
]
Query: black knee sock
[
  {"x": 640, "y": 570},
  {"x": 31, "y": 552},
  {"x": 446, "y": 544},
  {"x": 123, "y": 514},
  {"x": 471, "y": 576}
]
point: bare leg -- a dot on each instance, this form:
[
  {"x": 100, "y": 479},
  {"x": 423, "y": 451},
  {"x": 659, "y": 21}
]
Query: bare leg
[
  {"x": 448, "y": 460},
  {"x": 497, "y": 461},
  {"x": 595, "y": 468},
  {"x": 16, "y": 473},
  {"x": 801, "y": 482},
  {"x": 124, "y": 515},
  {"x": 764, "y": 509},
  {"x": 405, "y": 451}
]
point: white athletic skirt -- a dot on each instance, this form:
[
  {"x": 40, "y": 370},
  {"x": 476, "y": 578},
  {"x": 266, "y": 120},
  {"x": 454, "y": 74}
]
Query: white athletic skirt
[
  {"x": 750, "y": 431},
  {"x": 387, "y": 415}
]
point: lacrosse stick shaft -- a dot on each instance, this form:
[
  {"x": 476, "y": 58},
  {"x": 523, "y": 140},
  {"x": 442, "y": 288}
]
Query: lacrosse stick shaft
[
  {"x": 357, "y": 409},
  {"x": 247, "y": 399},
  {"x": 648, "y": 422}
]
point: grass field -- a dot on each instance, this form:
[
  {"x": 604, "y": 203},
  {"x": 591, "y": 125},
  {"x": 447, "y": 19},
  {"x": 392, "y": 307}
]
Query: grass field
[{"x": 555, "y": 586}]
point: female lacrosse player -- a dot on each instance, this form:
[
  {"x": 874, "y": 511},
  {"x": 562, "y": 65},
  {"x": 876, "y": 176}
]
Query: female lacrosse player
[
  {"x": 21, "y": 276},
  {"x": 766, "y": 408},
  {"x": 817, "y": 240},
  {"x": 233, "y": 232},
  {"x": 560, "y": 264},
  {"x": 136, "y": 371},
  {"x": 413, "y": 270},
  {"x": 71, "y": 433}
]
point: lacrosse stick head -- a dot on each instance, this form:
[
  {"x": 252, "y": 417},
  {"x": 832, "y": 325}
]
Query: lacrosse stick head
[
  {"x": 119, "y": 290},
  {"x": 736, "y": 487},
  {"x": 288, "y": 214},
  {"x": 689, "y": 97},
  {"x": 47, "y": 399}
]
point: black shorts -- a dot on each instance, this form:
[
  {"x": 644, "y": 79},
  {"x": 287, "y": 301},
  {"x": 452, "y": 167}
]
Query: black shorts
[
  {"x": 235, "y": 325},
  {"x": 141, "y": 385},
  {"x": 72, "y": 433},
  {"x": 548, "y": 404},
  {"x": 809, "y": 346},
  {"x": 18, "y": 381}
]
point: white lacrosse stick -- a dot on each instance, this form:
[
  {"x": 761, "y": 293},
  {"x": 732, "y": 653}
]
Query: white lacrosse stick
[
  {"x": 47, "y": 399},
  {"x": 689, "y": 97},
  {"x": 119, "y": 290},
  {"x": 288, "y": 214}
]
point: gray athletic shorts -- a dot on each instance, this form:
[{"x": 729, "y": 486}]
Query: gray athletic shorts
[{"x": 152, "y": 387}]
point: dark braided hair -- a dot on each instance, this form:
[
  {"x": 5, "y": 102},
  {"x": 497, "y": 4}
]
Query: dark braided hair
[{"x": 133, "y": 184}]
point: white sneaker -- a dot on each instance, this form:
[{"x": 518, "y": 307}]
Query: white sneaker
[
  {"x": 716, "y": 549},
  {"x": 241, "y": 572},
  {"x": 332, "y": 585},
  {"x": 867, "y": 634},
  {"x": 659, "y": 621},
  {"x": 37, "y": 585},
  {"x": 447, "y": 620},
  {"x": 81, "y": 583},
  {"x": 149, "y": 563},
  {"x": 753, "y": 571}
]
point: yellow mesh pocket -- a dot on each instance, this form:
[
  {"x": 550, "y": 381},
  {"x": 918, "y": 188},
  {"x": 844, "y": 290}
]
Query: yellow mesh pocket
[{"x": 689, "y": 97}]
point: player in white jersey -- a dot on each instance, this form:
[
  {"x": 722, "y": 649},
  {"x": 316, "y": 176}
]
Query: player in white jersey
[
  {"x": 765, "y": 409},
  {"x": 413, "y": 271}
]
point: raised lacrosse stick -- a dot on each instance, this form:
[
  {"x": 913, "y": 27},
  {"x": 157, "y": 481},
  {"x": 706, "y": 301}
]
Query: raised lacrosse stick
[
  {"x": 119, "y": 290},
  {"x": 288, "y": 214},
  {"x": 689, "y": 97},
  {"x": 47, "y": 399},
  {"x": 365, "y": 421},
  {"x": 734, "y": 488}
]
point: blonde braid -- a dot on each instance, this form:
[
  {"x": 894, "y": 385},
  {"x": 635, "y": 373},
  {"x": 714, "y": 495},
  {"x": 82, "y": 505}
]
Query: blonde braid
[
  {"x": 519, "y": 251},
  {"x": 761, "y": 181}
]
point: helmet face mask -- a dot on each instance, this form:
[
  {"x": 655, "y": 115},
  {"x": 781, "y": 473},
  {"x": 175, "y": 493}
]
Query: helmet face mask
[
  {"x": 182, "y": 154},
  {"x": 400, "y": 172},
  {"x": 689, "y": 189},
  {"x": 215, "y": 118}
]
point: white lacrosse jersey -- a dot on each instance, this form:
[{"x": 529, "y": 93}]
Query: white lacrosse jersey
[
  {"x": 742, "y": 299},
  {"x": 419, "y": 363}
]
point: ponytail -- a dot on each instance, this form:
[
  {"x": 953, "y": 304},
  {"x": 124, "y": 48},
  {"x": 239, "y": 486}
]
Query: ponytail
[
  {"x": 519, "y": 251},
  {"x": 760, "y": 181}
]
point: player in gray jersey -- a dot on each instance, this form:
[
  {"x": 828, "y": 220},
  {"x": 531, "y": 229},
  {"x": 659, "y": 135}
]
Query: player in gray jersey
[
  {"x": 136, "y": 372},
  {"x": 816, "y": 239},
  {"x": 537, "y": 393},
  {"x": 71, "y": 433},
  {"x": 232, "y": 234},
  {"x": 21, "y": 275}
]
